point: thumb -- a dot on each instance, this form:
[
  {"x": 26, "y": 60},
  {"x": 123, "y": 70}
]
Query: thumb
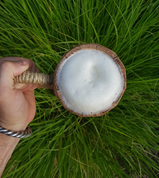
[{"x": 8, "y": 71}]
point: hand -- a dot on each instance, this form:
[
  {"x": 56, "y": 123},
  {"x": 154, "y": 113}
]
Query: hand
[{"x": 17, "y": 102}]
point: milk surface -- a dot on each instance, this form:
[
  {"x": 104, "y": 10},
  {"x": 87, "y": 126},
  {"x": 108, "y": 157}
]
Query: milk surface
[{"x": 90, "y": 81}]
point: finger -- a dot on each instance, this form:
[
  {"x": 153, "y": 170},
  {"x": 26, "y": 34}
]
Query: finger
[
  {"x": 19, "y": 86},
  {"x": 13, "y": 59},
  {"x": 28, "y": 87},
  {"x": 25, "y": 87},
  {"x": 32, "y": 65},
  {"x": 32, "y": 87},
  {"x": 22, "y": 87},
  {"x": 8, "y": 70},
  {"x": 30, "y": 98}
]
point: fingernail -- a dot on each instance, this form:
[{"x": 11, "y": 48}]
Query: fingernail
[{"x": 22, "y": 62}]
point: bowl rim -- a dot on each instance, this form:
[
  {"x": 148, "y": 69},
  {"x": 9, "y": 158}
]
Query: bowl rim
[{"x": 93, "y": 46}]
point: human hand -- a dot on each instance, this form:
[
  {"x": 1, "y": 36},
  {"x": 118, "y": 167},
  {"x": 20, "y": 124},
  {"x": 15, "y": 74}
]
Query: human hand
[{"x": 17, "y": 101}]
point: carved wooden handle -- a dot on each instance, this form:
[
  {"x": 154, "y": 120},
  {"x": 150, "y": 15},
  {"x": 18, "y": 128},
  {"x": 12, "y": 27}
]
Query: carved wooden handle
[{"x": 40, "y": 79}]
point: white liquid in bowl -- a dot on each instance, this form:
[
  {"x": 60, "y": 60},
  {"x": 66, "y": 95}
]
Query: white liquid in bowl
[{"x": 89, "y": 81}]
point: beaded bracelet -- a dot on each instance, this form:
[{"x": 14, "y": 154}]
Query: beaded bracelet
[{"x": 19, "y": 134}]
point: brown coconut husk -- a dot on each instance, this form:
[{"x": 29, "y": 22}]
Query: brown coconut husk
[{"x": 92, "y": 46}]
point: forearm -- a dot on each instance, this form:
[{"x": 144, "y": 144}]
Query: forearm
[{"x": 7, "y": 146}]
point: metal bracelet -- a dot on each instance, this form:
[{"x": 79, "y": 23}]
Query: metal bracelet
[{"x": 20, "y": 134}]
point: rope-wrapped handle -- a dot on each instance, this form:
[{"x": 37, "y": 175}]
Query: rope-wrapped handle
[{"x": 40, "y": 79}]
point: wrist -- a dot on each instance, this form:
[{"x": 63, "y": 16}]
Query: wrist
[
  {"x": 13, "y": 127},
  {"x": 7, "y": 145},
  {"x": 17, "y": 131},
  {"x": 20, "y": 134},
  {"x": 8, "y": 141}
]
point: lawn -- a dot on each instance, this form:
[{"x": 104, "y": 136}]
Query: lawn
[{"x": 124, "y": 143}]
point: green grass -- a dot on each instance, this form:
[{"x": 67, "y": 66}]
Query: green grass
[{"x": 124, "y": 142}]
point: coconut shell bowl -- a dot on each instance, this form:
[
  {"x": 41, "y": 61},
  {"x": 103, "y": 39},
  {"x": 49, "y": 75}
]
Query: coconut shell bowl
[{"x": 89, "y": 80}]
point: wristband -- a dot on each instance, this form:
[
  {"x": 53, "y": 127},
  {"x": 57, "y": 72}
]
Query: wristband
[{"x": 19, "y": 134}]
